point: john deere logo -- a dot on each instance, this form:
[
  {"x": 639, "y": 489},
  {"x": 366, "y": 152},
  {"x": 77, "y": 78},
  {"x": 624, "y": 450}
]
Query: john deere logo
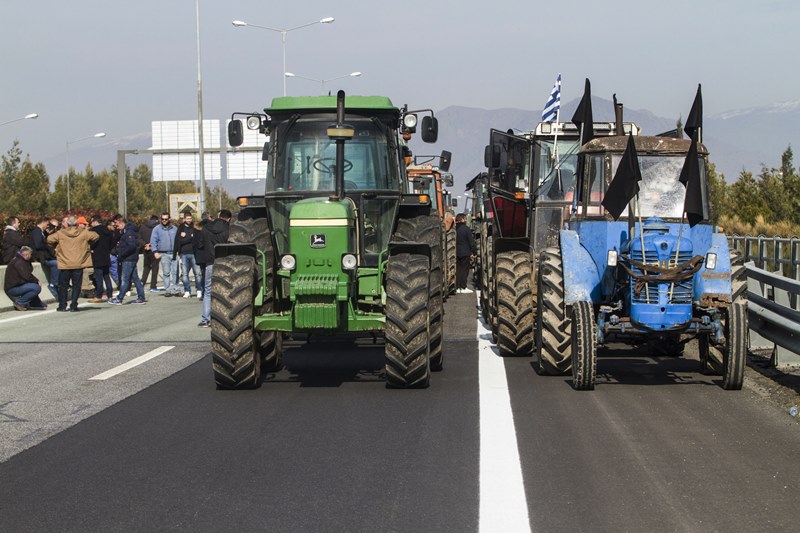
[{"x": 318, "y": 240}]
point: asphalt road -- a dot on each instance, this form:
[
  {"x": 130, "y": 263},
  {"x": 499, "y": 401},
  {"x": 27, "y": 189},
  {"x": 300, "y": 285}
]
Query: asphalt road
[{"x": 324, "y": 446}]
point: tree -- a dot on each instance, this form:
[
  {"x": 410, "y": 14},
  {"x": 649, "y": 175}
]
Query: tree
[
  {"x": 719, "y": 192},
  {"x": 31, "y": 189},
  {"x": 773, "y": 195},
  {"x": 9, "y": 168},
  {"x": 746, "y": 200}
]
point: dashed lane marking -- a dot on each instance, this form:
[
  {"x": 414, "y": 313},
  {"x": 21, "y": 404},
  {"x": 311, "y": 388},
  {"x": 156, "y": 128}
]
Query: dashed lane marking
[
  {"x": 132, "y": 363},
  {"x": 503, "y": 506}
]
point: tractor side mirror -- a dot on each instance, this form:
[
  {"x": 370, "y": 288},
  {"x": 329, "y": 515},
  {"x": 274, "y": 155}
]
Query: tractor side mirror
[
  {"x": 491, "y": 156},
  {"x": 235, "y": 133},
  {"x": 447, "y": 179},
  {"x": 455, "y": 202},
  {"x": 265, "y": 152},
  {"x": 444, "y": 161},
  {"x": 430, "y": 129}
]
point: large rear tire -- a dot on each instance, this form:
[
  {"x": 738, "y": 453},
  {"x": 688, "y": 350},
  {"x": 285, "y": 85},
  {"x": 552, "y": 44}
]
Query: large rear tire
[
  {"x": 730, "y": 357},
  {"x": 584, "y": 346},
  {"x": 738, "y": 277},
  {"x": 235, "y": 360},
  {"x": 407, "y": 349},
  {"x": 514, "y": 304},
  {"x": 553, "y": 325},
  {"x": 484, "y": 260},
  {"x": 428, "y": 229},
  {"x": 268, "y": 343}
]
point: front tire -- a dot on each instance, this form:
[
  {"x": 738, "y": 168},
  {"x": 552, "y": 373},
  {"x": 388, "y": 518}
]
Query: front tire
[
  {"x": 235, "y": 360},
  {"x": 514, "y": 304},
  {"x": 584, "y": 346},
  {"x": 428, "y": 229},
  {"x": 407, "y": 349},
  {"x": 553, "y": 324}
]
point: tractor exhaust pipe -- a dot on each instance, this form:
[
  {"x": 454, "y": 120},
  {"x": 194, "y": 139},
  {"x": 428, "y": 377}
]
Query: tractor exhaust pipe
[
  {"x": 620, "y": 130},
  {"x": 339, "y": 132},
  {"x": 340, "y": 146}
]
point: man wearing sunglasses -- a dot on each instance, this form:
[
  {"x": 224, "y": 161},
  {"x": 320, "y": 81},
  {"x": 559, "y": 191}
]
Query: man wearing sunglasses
[{"x": 162, "y": 243}]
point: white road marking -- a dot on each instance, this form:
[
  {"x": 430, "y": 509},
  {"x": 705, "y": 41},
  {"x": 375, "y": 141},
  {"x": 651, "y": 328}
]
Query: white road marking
[
  {"x": 503, "y": 506},
  {"x": 26, "y": 314},
  {"x": 132, "y": 363}
]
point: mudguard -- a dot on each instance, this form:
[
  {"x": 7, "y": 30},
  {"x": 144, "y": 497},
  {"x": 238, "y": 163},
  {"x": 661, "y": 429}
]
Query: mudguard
[
  {"x": 712, "y": 288},
  {"x": 581, "y": 277}
]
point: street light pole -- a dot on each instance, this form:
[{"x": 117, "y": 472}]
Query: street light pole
[
  {"x": 322, "y": 82},
  {"x": 30, "y": 116},
  {"x": 283, "y": 32},
  {"x": 200, "y": 115},
  {"x": 95, "y": 136}
]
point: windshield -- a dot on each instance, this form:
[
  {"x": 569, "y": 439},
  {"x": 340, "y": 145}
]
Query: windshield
[
  {"x": 306, "y": 159},
  {"x": 660, "y": 192},
  {"x": 554, "y": 169}
]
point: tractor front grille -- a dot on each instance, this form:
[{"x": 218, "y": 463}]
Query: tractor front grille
[{"x": 676, "y": 293}]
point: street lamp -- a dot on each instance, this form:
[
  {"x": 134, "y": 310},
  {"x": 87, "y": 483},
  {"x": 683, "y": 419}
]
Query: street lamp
[
  {"x": 323, "y": 82},
  {"x": 31, "y": 116},
  {"x": 283, "y": 32},
  {"x": 95, "y": 136}
]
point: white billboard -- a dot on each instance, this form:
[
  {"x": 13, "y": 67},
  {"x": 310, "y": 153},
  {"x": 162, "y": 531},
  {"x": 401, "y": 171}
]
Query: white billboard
[
  {"x": 176, "y": 146},
  {"x": 244, "y": 162}
]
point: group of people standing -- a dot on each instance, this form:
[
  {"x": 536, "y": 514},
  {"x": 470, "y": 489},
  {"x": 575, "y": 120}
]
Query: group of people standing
[{"x": 112, "y": 249}]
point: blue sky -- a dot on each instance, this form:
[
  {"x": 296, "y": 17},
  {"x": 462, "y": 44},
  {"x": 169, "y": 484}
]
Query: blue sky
[{"x": 91, "y": 65}]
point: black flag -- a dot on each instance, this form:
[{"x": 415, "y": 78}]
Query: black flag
[
  {"x": 625, "y": 184},
  {"x": 694, "y": 123},
  {"x": 583, "y": 115},
  {"x": 690, "y": 177}
]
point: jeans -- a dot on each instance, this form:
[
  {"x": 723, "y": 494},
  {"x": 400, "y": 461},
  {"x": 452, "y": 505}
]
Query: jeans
[
  {"x": 169, "y": 271},
  {"x": 113, "y": 269},
  {"x": 102, "y": 275},
  {"x": 206, "y": 316},
  {"x": 52, "y": 266},
  {"x": 26, "y": 294},
  {"x": 129, "y": 272},
  {"x": 462, "y": 271},
  {"x": 75, "y": 277},
  {"x": 187, "y": 262}
]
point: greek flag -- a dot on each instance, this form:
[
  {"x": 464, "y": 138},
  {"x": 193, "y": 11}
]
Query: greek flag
[{"x": 553, "y": 104}]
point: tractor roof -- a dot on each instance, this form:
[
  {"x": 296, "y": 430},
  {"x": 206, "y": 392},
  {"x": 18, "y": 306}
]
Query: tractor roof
[
  {"x": 328, "y": 103},
  {"x": 644, "y": 144}
]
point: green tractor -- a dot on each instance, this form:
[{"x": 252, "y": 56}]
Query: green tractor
[{"x": 336, "y": 245}]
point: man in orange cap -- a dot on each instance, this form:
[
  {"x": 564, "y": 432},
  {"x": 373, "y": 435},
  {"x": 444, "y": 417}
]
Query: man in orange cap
[{"x": 73, "y": 255}]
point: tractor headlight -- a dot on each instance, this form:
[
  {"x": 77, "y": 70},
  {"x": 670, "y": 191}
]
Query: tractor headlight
[
  {"x": 611, "y": 258},
  {"x": 711, "y": 261},
  {"x": 288, "y": 262},
  {"x": 349, "y": 262},
  {"x": 253, "y": 122},
  {"x": 410, "y": 121}
]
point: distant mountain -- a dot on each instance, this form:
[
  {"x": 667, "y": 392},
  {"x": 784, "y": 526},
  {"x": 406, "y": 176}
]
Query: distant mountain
[{"x": 737, "y": 139}]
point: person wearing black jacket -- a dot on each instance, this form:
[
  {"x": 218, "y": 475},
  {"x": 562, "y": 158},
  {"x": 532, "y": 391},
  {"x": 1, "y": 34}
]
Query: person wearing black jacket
[
  {"x": 44, "y": 253},
  {"x": 20, "y": 284},
  {"x": 214, "y": 233},
  {"x": 465, "y": 250},
  {"x": 12, "y": 240},
  {"x": 128, "y": 251},
  {"x": 150, "y": 262},
  {"x": 101, "y": 259},
  {"x": 184, "y": 245}
]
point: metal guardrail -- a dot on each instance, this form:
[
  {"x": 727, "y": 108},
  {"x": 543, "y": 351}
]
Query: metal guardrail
[
  {"x": 770, "y": 253},
  {"x": 775, "y": 318}
]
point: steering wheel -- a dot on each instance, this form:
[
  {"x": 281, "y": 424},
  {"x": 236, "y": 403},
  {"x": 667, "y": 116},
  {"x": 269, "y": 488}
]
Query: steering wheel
[{"x": 322, "y": 167}]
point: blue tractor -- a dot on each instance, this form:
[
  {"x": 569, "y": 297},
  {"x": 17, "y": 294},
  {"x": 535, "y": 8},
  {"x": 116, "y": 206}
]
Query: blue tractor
[{"x": 648, "y": 277}]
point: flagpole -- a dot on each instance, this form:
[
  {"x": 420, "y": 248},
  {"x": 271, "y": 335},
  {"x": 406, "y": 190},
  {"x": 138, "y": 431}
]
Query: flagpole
[{"x": 578, "y": 183}]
